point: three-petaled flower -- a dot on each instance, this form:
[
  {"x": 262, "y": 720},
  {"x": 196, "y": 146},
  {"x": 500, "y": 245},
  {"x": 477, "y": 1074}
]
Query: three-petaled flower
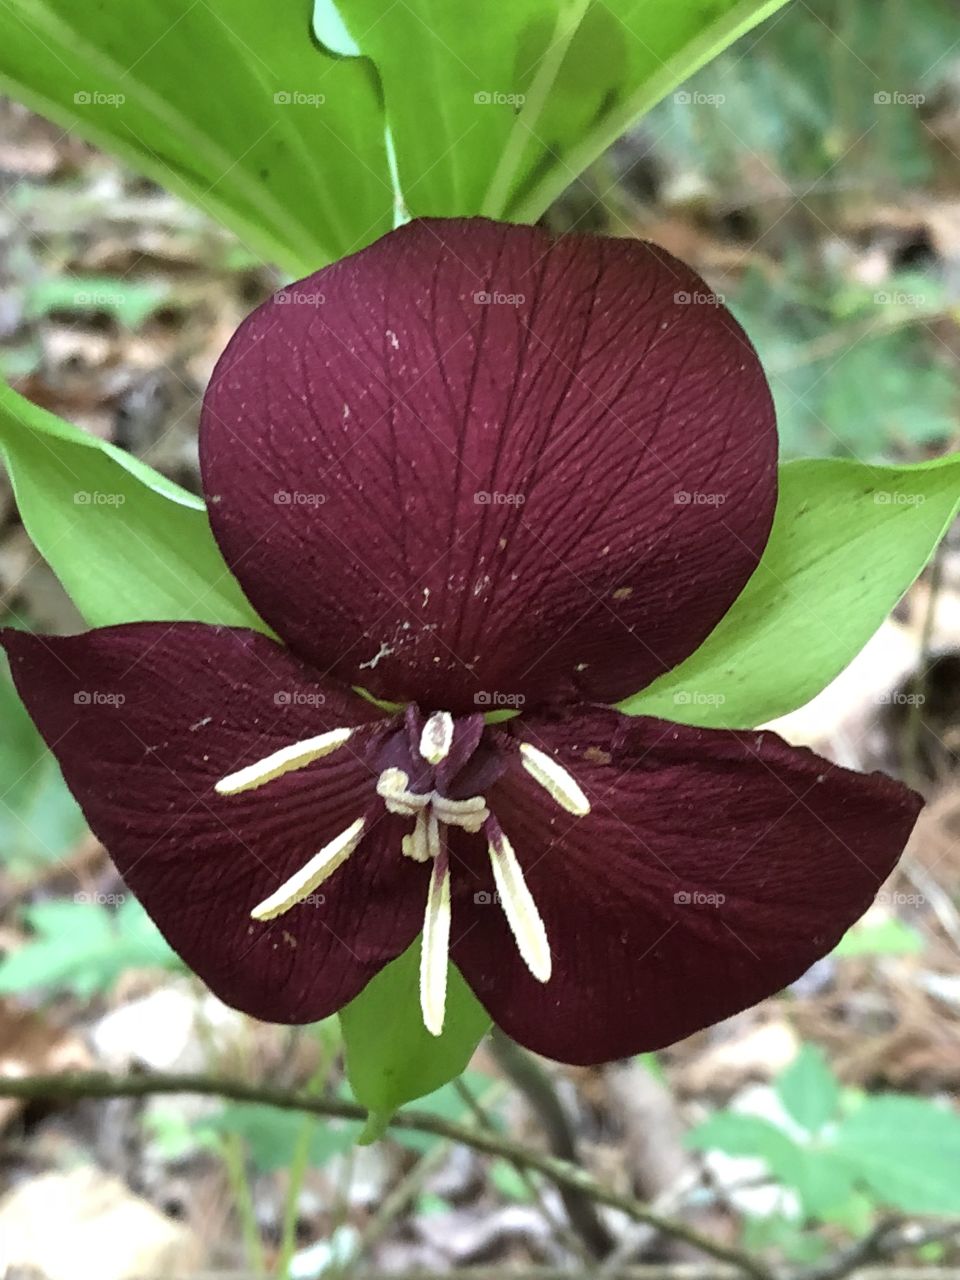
[{"x": 473, "y": 466}]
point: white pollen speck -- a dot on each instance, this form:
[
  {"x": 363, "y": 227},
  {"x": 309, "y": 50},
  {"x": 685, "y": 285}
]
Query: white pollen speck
[
  {"x": 481, "y": 584},
  {"x": 581, "y": 666},
  {"x": 426, "y": 596},
  {"x": 394, "y": 340},
  {"x": 200, "y": 723},
  {"x": 346, "y": 412},
  {"x": 383, "y": 652}
]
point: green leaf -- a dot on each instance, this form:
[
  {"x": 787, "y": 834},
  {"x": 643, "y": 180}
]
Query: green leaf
[
  {"x": 881, "y": 938},
  {"x": 847, "y": 541},
  {"x": 449, "y": 1103},
  {"x": 391, "y": 1057},
  {"x": 820, "y": 1179},
  {"x": 229, "y": 103},
  {"x": 739, "y": 1134},
  {"x": 906, "y": 1150},
  {"x": 129, "y": 302},
  {"x": 808, "y": 1089},
  {"x": 526, "y": 95},
  {"x": 272, "y": 1135},
  {"x": 84, "y": 947},
  {"x": 128, "y": 545},
  {"x": 39, "y": 819},
  {"x": 823, "y": 1183}
]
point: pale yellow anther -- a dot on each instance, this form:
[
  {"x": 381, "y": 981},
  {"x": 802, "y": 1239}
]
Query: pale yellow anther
[
  {"x": 521, "y": 911},
  {"x": 392, "y": 788},
  {"x": 296, "y": 756},
  {"x": 435, "y": 948},
  {"x": 415, "y": 844},
  {"x": 554, "y": 779},
  {"x": 470, "y": 814},
  {"x": 313, "y": 873},
  {"x": 437, "y": 737}
]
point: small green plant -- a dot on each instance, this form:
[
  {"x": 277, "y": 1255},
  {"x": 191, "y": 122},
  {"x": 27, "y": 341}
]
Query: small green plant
[{"x": 845, "y": 1154}]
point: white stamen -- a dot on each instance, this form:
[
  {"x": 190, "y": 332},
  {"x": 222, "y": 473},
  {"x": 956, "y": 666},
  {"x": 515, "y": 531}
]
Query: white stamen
[
  {"x": 470, "y": 814},
  {"x": 433, "y": 834},
  {"x": 392, "y": 787},
  {"x": 283, "y": 761},
  {"x": 303, "y": 882},
  {"x": 520, "y": 909},
  {"x": 415, "y": 844},
  {"x": 561, "y": 785},
  {"x": 437, "y": 737},
  {"x": 435, "y": 948}
]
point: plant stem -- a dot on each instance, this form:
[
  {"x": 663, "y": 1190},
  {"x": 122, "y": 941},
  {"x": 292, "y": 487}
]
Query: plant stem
[
  {"x": 235, "y": 1164},
  {"x": 535, "y": 1085},
  {"x": 566, "y": 1176}
]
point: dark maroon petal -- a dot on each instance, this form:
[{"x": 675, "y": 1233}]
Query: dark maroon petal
[
  {"x": 713, "y": 869},
  {"x": 474, "y": 459},
  {"x": 144, "y": 719}
]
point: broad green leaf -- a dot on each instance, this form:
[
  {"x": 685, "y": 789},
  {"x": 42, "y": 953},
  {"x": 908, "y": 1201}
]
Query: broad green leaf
[
  {"x": 129, "y": 302},
  {"x": 524, "y": 96},
  {"x": 272, "y": 1136},
  {"x": 458, "y": 118},
  {"x": 823, "y": 1182},
  {"x": 884, "y": 938},
  {"x": 391, "y": 1057},
  {"x": 128, "y": 545},
  {"x": 784, "y": 1232},
  {"x": 449, "y": 1103},
  {"x": 83, "y": 947},
  {"x": 847, "y": 541},
  {"x": 738, "y": 1134},
  {"x": 906, "y": 1150},
  {"x": 808, "y": 1089},
  {"x": 229, "y": 103}
]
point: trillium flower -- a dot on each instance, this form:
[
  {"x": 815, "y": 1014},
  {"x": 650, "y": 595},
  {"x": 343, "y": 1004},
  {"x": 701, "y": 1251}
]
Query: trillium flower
[{"x": 472, "y": 469}]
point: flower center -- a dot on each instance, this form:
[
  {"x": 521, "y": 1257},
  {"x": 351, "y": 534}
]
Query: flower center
[{"x": 417, "y": 768}]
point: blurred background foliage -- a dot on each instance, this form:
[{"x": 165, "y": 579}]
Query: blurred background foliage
[{"x": 812, "y": 174}]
